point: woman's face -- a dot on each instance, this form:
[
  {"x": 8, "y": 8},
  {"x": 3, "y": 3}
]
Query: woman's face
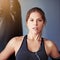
[{"x": 35, "y": 23}]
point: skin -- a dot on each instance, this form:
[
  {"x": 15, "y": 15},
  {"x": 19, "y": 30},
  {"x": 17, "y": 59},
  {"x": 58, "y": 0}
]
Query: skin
[{"x": 35, "y": 26}]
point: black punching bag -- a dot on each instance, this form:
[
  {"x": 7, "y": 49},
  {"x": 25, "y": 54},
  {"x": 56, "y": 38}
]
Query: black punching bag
[{"x": 10, "y": 22}]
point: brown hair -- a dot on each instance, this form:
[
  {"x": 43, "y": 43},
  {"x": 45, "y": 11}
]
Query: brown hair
[{"x": 34, "y": 10}]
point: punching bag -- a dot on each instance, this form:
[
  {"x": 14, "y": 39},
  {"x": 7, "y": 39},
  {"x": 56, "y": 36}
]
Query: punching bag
[{"x": 10, "y": 21}]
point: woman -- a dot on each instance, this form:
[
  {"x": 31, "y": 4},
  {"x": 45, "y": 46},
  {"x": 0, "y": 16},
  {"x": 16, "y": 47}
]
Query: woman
[{"x": 32, "y": 46}]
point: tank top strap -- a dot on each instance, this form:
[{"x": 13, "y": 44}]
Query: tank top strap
[
  {"x": 42, "y": 41},
  {"x": 24, "y": 40},
  {"x": 43, "y": 48},
  {"x": 25, "y": 37}
]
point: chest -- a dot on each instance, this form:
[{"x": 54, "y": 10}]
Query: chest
[
  {"x": 31, "y": 51},
  {"x": 33, "y": 46}
]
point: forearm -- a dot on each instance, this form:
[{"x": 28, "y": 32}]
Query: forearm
[
  {"x": 2, "y": 56},
  {"x": 55, "y": 57},
  {"x": 58, "y": 58}
]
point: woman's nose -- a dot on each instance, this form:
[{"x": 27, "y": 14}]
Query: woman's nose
[{"x": 35, "y": 23}]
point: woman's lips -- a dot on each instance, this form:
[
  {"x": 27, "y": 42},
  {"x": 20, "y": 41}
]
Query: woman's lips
[{"x": 35, "y": 28}]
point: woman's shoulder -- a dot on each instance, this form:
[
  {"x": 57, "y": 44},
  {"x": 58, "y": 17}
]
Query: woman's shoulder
[
  {"x": 49, "y": 43},
  {"x": 16, "y": 42},
  {"x": 17, "y": 38},
  {"x": 51, "y": 48},
  {"x": 13, "y": 41}
]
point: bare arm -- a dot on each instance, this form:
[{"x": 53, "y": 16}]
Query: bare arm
[
  {"x": 54, "y": 51},
  {"x": 9, "y": 49}
]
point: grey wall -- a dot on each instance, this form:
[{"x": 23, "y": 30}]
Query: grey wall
[{"x": 52, "y": 11}]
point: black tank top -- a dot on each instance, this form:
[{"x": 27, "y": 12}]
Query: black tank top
[{"x": 24, "y": 54}]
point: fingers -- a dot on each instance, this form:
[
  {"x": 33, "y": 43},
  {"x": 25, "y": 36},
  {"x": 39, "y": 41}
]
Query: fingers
[{"x": 37, "y": 37}]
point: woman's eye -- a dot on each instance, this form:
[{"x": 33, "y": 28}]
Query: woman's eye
[
  {"x": 39, "y": 20},
  {"x": 31, "y": 20}
]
